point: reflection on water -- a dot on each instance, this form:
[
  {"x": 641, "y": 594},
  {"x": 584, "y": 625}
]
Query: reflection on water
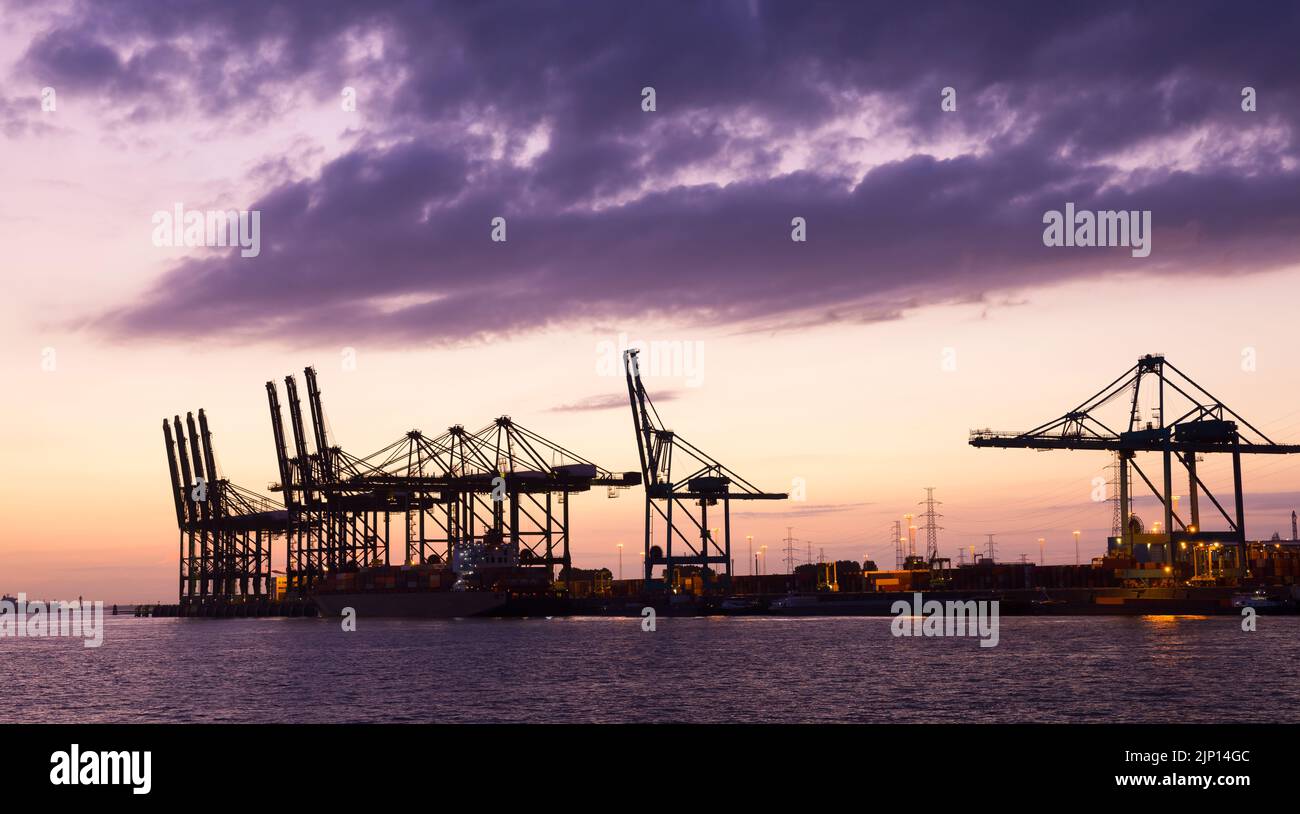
[
  {"x": 1174, "y": 638},
  {"x": 607, "y": 670}
]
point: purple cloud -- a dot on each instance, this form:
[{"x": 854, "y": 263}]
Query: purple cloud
[
  {"x": 767, "y": 111},
  {"x": 608, "y": 401}
]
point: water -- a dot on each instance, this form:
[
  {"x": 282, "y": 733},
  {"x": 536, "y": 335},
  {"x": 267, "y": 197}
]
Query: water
[{"x": 1099, "y": 669}]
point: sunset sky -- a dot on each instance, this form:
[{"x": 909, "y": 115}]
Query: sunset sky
[{"x": 923, "y": 303}]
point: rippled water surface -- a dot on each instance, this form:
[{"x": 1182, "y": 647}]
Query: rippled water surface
[{"x": 608, "y": 670}]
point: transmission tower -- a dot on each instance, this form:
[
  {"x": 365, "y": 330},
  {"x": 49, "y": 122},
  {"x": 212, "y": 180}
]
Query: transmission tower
[
  {"x": 789, "y": 549},
  {"x": 992, "y": 548},
  {"x": 899, "y": 554},
  {"x": 931, "y": 527}
]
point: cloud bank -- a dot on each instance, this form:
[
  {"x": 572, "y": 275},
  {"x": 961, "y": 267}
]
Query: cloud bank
[{"x": 765, "y": 112}]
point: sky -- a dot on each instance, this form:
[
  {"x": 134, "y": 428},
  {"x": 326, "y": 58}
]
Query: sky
[{"x": 921, "y": 146}]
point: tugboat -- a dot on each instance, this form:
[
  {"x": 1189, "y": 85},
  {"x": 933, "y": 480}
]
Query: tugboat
[
  {"x": 739, "y": 606},
  {"x": 1259, "y": 599}
]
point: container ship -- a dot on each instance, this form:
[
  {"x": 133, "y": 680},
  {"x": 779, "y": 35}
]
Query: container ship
[
  {"x": 483, "y": 580},
  {"x": 404, "y": 591}
]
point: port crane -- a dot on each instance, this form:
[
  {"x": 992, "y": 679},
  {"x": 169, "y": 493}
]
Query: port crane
[
  {"x": 682, "y": 501},
  {"x": 460, "y": 491},
  {"x": 226, "y": 531},
  {"x": 1201, "y": 424},
  {"x": 502, "y": 484}
]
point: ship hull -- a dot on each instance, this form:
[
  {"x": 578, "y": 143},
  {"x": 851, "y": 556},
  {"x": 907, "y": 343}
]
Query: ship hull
[{"x": 412, "y": 604}]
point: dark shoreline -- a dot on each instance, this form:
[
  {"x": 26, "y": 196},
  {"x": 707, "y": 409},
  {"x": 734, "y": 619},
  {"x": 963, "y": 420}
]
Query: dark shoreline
[{"x": 1211, "y": 601}]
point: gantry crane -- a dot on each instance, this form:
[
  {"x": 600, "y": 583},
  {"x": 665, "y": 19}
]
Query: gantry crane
[
  {"x": 504, "y": 484},
  {"x": 226, "y": 531},
  {"x": 331, "y": 528},
  {"x": 1202, "y": 425},
  {"x": 504, "y": 488},
  {"x": 706, "y": 484}
]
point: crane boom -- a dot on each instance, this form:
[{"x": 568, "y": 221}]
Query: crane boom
[
  {"x": 178, "y": 488},
  {"x": 281, "y": 454}
]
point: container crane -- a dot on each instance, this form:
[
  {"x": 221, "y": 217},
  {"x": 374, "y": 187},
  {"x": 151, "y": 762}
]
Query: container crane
[
  {"x": 1202, "y": 424},
  {"x": 682, "y": 501}
]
